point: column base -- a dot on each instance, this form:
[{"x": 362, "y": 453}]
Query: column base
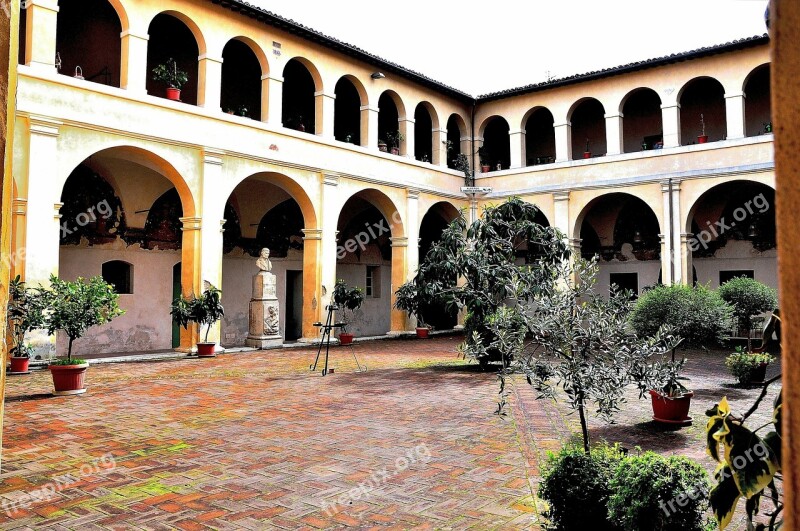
[{"x": 264, "y": 342}]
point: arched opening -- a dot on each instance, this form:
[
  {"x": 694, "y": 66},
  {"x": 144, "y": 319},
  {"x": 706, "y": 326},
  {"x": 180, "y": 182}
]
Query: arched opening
[
  {"x": 423, "y": 134},
  {"x": 347, "y": 113},
  {"x": 588, "y": 130},
  {"x": 732, "y": 228},
  {"x": 434, "y": 222},
  {"x": 757, "y": 109},
  {"x": 265, "y": 211},
  {"x": 641, "y": 122},
  {"x": 23, "y": 25},
  {"x": 241, "y": 80},
  {"x": 540, "y": 138},
  {"x": 623, "y": 231},
  {"x": 121, "y": 214},
  {"x": 89, "y": 46},
  {"x": 528, "y": 252},
  {"x": 171, "y": 38},
  {"x": 455, "y": 130},
  {"x": 496, "y": 149},
  {"x": 299, "y": 111},
  {"x": 389, "y": 122},
  {"x": 702, "y": 111}
]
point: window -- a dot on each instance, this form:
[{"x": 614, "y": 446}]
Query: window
[
  {"x": 373, "y": 285},
  {"x": 725, "y": 276},
  {"x": 626, "y": 281},
  {"x": 120, "y": 275}
]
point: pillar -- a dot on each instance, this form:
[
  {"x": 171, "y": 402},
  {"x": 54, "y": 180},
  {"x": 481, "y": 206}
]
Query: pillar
[
  {"x": 19, "y": 212},
  {"x": 133, "y": 70},
  {"x": 671, "y": 124},
  {"x": 324, "y": 108},
  {"x": 209, "y": 84},
  {"x": 399, "y": 276},
  {"x": 734, "y": 114},
  {"x": 668, "y": 264},
  {"x": 614, "y": 141},
  {"x": 40, "y": 34},
  {"x": 680, "y": 249},
  {"x": 406, "y": 128},
  {"x": 439, "y": 147},
  {"x": 191, "y": 248},
  {"x": 561, "y": 213},
  {"x": 312, "y": 251},
  {"x": 563, "y": 133},
  {"x": 412, "y": 229},
  {"x": 685, "y": 252},
  {"x": 330, "y": 220},
  {"x": 272, "y": 100},
  {"x": 369, "y": 127},
  {"x": 517, "y": 142}
]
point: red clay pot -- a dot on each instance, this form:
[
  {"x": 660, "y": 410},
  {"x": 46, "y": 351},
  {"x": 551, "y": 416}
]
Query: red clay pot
[
  {"x": 346, "y": 338},
  {"x": 702, "y": 139},
  {"x": 485, "y": 168},
  {"x": 395, "y": 151},
  {"x": 173, "y": 94},
  {"x": 206, "y": 350},
  {"x": 422, "y": 333},
  {"x": 69, "y": 379},
  {"x": 587, "y": 154},
  {"x": 19, "y": 365},
  {"x": 671, "y": 410}
]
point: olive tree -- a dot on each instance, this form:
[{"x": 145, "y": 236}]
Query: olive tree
[{"x": 749, "y": 298}]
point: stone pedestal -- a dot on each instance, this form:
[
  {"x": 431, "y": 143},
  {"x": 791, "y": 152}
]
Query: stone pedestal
[{"x": 265, "y": 329}]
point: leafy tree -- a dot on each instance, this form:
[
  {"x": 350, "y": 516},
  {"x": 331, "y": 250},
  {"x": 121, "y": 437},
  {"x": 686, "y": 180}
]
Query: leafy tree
[
  {"x": 206, "y": 309},
  {"x": 74, "y": 307},
  {"x": 748, "y": 298},
  {"x": 25, "y": 313}
]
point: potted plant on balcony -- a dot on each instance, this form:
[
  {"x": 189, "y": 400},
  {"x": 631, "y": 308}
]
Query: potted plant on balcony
[
  {"x": 394, "y": 138},
  {"x": 172, "y": 76},
  {"x": 347, "y": 298},
  {"x": 410, "y": 298},
  {"x": 484, "y": 156},
  {"x": 749, "y": 367},
  {"x": 587, "y": 154},
  {"x": 203, "y": 310},
  {"x": 73, "y": 308},
  {"x": 383, "y": 146},
  {"x": 25, "y": 313},
  {"x": 702, "y": 137}
]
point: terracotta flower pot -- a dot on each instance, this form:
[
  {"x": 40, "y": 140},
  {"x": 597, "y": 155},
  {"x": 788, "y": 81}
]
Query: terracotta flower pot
[
  {"x": 173, "y": 94},
  {"x": 671, "y": 410},
  {"x": 206, "y": 350},
  {"x": 395, "y": 151},
  {"x": 19, "y": 365},
  {"x": 485, "y": 168},
  {"x": 756, "y": 376},
  {"x": 587, "y": 154},
  {"x": 422, "y": 333},
  {"x": 69, "y": 379},
  {"x": 702, "y": 139},
  {"x": 346, "y": 338},
  {"x": 383, "y": 147}
]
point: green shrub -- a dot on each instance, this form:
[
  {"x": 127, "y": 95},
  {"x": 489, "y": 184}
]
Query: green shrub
[
  {"x": 697, "y": 314},
  {"x": 742, "y": 364},
  {"x": 576, "y": 485},
  {"x": 659, "y": 493},
  {"x": 749, "y": 298}
]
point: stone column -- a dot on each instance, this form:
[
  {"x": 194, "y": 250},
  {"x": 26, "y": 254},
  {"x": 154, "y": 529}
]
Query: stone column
[
  {"x": 19, "y": 211},
  {"x": 133, "y": 71},
  {"x": 563, "y": 133},
  {"x": 330, "y": 220},
  {"x": 412, "y": 229},
  {"x": 211, "y": 229},
  {"x": 734, "y": 115},
  {"x": 312, "y": 296},
  {"x": 399, "y": 275},
  {"x": 679, "y": 248},
  {"x": 439, "y": 155},
  {"x": 685, "y": 252},
  {"x": 671, "y": 124},
  {"x": 369, "y": 127},
  {"x": 191, "y": 272},
  {"x": 274, "y": 97},
  {"x": 324, "y": 107},
  {"x": 209, "y": 85},
  {"x": 668, "y": 264},
  {"x": 517, "y": 140},
  {"x": 614, "y": 140},
  {"x": 40, "y": 34},
  {"x": 561, "y": 213},
  {"x": 406, "y": 127}
]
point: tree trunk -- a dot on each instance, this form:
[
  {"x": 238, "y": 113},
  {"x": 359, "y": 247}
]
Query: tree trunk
[
  {"x": 584, "y": 427},
  {"x": 69, "y": 349}
]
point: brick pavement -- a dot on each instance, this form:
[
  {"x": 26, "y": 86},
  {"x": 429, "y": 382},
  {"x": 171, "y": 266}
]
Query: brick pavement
[{"x": 255, "y": 441}]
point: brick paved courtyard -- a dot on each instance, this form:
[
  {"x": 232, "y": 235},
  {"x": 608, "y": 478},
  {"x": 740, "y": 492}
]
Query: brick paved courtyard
[{"x": 256, "y": 441}]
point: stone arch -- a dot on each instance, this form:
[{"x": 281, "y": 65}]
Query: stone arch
[
  {"x": 191, "y": 24},
  {"x": 642, "y": 126}
]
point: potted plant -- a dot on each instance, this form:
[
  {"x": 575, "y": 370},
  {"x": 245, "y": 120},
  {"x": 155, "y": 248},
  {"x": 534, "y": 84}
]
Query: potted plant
[
  {"x": 767, "y": 127},
  {"x": 382, "y": 146},
  {"x": 749, "y": 298},
  {"x": 203, "y": 310},
  {"x": 703, "y": 137},
  {"x": 394, "y": 139},
  {"x": 410, "y": 299},
  {"x": 670, "y": 398},
  {"x": 174, "y": 78},
  {"x": 347, "y": 298},
  {"x": 484, "y": 155},
  {"x": 748, "y": 367},
  {"x": 25, "y": 313},
  {"x": 74, "y": 307},
  {"x": 242, "y": 111},
  {"x": 586, "y": 153}
]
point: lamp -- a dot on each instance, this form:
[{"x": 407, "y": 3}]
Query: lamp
[
  {"x": 637, "y": 237},
  {"x": 753, "y": 231},
  {"x": 377, "y": 75}
]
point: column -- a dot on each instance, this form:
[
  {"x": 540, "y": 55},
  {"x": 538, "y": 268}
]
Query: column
[
  {"x": 212, "y": 222},
  {"x": 678, "y": 248},
  {"x": 412, "y": 229},
  {"x": 324, "y": 108},
  {"x": 191, "y": 273},
  {"x": 563, "y": 133},
  {"x": 439, "y": 147},
  {"x": 614, "y": 140},
  {"x": 561, "y": 213},
  {"x": 274, "y": 100},
  {"x": 209, "y": 84},
  {"x": 667, "y": 243},
  {"x": 19, "y": 212},
  {"x": 406, "y": 128},
  {"x": 671, "y": 124},
  {"x": 686, "y": 260},
  {"x": 312, "y": 296},
  {"x": 133, "y": 73},
  {"x": 517, "y": 140},
  {"x": 330, "y": 220},
  {"x": 734, "y": 114},
  {"x": 369, "y": 127},
  {"x": 40, "y": 34},
  {"x": 399, "y": 274}
]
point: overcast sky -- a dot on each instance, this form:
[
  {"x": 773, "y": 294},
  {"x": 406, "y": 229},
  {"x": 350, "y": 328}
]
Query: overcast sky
[{"x": 483, "y": 47}]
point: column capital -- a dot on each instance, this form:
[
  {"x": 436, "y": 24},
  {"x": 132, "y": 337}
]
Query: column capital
[
  {"x": 614, "y": 115},
  {"x": 676, "y": 185},
  {"x": 369, "y": 108},
  {"x": 129, "y": 33},
  {"x": 330, "y": 179},
  {"x": 512, "y": 132},
  {"x": 670, "y": 105},
  {"x": 407, "y": 120},
  {"x": 312, "y": 234},
  {"x": 44, "y": 126},
  {"x": 19, "y": 206},
  {"x": 399, "y": 242},
  {"x": 57, "y": 210},
  {"x": 325, "y": 94},
  {"x": 563, "y": 124},
  {"x": 662, "y": 239},
  {"x": 51, "y": 5},
  {"x": 729, "y": 95},
  {"x": 271, "y": 77},
  {"x": 412, "y": 193},
  {"x": 575, "y": 243},
  {"x": 561, "y": 196},
  {"x": 222, "y": 223},
  {"x": 206, "y": 57},
  {"x": 213, "y": 157},
  {"x": 191, "y": 223}
]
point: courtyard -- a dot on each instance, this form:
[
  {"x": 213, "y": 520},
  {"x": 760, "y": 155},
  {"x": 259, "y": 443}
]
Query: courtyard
[{"x": 257, "y": 441}]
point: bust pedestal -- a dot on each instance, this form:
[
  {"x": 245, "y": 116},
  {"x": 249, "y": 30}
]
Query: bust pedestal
[{"x": 264, "y": 331}]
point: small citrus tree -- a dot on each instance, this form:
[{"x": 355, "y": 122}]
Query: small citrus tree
[{"x": 749, "y": 298}]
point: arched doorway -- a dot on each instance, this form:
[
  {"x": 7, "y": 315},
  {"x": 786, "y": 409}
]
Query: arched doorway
[
  {"x": 89, "y": 46},
  {"x": 434, "y": 222}
]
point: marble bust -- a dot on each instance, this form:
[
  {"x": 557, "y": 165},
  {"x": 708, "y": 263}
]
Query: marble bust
[{"x": 263, "y": 261}]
